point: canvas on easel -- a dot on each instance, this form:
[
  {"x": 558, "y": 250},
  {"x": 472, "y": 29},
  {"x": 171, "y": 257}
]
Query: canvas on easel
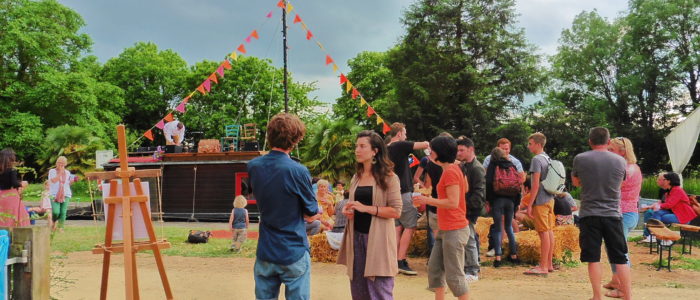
[{"x": 139, "y": 227}]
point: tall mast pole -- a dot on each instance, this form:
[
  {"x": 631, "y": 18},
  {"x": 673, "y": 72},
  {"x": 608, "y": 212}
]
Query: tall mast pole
[{"x": 284, "y": 50}]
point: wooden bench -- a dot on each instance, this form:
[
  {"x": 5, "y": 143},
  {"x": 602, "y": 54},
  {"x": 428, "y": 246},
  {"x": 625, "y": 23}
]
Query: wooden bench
[
  {"x": 688, "y": 233},
  {"x": 664, "y": 234}
]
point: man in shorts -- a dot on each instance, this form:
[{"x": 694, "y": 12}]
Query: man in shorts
[
  {"x": 600, "y": 173},
  {"x": 399, "y": 149},
  {"x": 541, "y": 209}
]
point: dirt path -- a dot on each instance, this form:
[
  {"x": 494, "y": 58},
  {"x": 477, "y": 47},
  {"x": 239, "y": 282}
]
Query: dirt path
[{"x": 231, "y": 278}]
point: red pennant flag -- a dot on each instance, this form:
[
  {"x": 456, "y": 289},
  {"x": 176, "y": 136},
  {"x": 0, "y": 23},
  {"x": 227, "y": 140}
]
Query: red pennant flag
[
  {"x": 269, "y": 15},
  {"x": 370, "y": 111},
  {"x": 247, "y": 40},
  {"x": 297, "y": 19},
  {"x": 226, "y": 65},
  {"x": 220, "y": 71},
  {"x": 355, "y": 93},
  {"x": 254, "y": 34},
  {"x": 280, "y": 4},
  {"x": 386, "y": 128},
  {"x": 181, "y": 107},
  {"x": 413, "y": 161},
  {"x": 201, "y": 89},
  {"x": 329, "y": 60},
  {"x": 148, "y": 135},
  {"x": 160, "y": 124},
  {"x": 343, "y": 79},
  {"x": 169, "y": 117},
  {"x": 309, "y": 35},
  {"x": 213, "y": 78},
  {"x": 207, "y": 85},
  {"x": 241, "y": 49}
]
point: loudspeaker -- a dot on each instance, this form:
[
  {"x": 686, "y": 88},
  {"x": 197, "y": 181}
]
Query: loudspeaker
[
  {"x": 173, "y": 149},
  {"x": 251, "y": 146}
]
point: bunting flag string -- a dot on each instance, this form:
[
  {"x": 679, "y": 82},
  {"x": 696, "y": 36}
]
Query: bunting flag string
[
  {"x": 160, "y": 124},
  {"x": 169, "y": 117},
  {"x": 148, "y": 135}
]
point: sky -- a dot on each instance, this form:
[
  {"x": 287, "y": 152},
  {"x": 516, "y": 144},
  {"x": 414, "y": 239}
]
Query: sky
[{"x": 211, "y": 29}]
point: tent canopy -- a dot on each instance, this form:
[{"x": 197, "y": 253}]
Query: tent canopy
[{"x": 682, "y": 140}]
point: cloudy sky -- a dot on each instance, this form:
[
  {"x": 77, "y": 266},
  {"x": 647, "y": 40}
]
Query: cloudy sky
[{"x": 210, "y": 29}]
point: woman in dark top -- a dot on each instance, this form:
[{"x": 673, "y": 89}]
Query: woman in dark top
[
  {"x": 369, "y": 243},
  {"x": 12, "y": 211},
  {"x": 502, "y": 207}
]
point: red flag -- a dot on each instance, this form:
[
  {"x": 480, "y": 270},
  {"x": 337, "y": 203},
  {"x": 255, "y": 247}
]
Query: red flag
[
  {"x": 220, "y": 71},
  {"x": 386, "y": 128},
  {"x": 241, "y": 49},
  {"x": 207, "y": 85},
  {"x": 160, "y": 124},
  {"x": 148, "y": 135},
  {"x": 355, "y": 93},
  {"x": 269, "y": 15},
  {"x": 370, "y": 111},
  {"x": 201, "y": 89},
  {"x": 297, "y": 19},
  {"x": 343, "y": 79},
  {"x": 309, "y": 34},
  {"x": 280, "y": 4},
  {"x": 329, "y": 60},
  {"x": 226, "y": 65},
  {"x": 254, "y": 34},
  {"x": 213, "y": 78},
  {"x": 169, "y": 117},
  {"x": 181, "y": 107},
  {"x": 413, "y": 161}
]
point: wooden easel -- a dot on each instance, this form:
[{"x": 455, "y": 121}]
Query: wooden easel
[{"x": 128, "y": 246}]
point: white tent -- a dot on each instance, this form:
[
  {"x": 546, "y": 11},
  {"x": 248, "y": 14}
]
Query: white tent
[{"x": 682, "y": 140}]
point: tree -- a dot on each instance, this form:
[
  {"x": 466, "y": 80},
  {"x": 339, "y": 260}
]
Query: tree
[
  {"x": 462, "y": 65},
  {"x": 77, "y": 144},
  {"x": 23, "y": 132},
  {"x": 328, "y": 151}
]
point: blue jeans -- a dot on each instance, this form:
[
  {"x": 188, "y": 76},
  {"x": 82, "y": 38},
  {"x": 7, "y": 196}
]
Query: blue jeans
[
  {"x": 648, "y": 214},
  {"x": 629, "y": 222},
  {"x": 665, "y": 216},
  {"x": 296, "y": 278},
  {"x": 503, "y": 207}
]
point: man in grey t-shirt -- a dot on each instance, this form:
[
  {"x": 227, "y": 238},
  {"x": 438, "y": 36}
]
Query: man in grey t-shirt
[
  {"x": 541, "y": 210},
  {"x": 600, "y": 173}
]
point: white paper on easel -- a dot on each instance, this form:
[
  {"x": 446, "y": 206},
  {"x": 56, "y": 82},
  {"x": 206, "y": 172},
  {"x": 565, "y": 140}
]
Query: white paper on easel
[{"x": 137, "y": 217}]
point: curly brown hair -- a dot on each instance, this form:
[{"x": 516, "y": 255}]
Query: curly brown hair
[{"x": 285, "y": 131}]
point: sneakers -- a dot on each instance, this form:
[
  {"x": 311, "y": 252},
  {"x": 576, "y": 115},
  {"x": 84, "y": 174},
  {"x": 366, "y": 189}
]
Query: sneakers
[
  {"x": 666, "y": 242},
  {"x": 497, "y": 263},
  {"x": 649, "y": 239},
  {"x": 472, "y": 278},
  {"x": 491, "y": 253},
  {"x": 405, "y": 269}
]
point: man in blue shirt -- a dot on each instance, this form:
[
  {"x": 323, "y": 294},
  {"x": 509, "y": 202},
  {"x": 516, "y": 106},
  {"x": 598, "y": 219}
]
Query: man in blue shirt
[{"x": 282, "y": 189}]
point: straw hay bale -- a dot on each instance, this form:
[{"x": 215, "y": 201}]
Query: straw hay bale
[
  {"x": 419, "y": 244},
  {"x": 321, "y": 251},
  {"x": 482, "y": 228},
  {"x": 565, "y": 239}
]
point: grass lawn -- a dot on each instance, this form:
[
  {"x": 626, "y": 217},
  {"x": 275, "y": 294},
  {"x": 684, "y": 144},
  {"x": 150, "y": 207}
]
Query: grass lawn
[
  {"x": 84, "y": 238},
  {"x": 79, "y": 189}
]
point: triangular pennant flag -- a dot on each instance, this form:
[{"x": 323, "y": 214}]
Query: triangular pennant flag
[
  {"x": 355, "y": 93},
  {"x": 348, "y": 87},
  {"x": 280, "y": 4},
  {"x": 370, "y": 111},
  {"x": 385, "y": 128},
  {"x": 181, "y": 107},
  {"x": 149, "y": 135},
  {"x": 187, "y": 99},
  {"x": 255, "y": 35},
  {"x": 226, "y": 65},
  {"x": 201, "y": 89},
  {"x": 207, "y": 85},
  {"x": 234, "y": 55},
  {"x": 342, "y": 78},
  {"x": 160, "y": 124},
  {"x": 335, "y": 68},
  {"x": 247, "y": 40},
  {"x": 379, "y": 120},
  {"x": 320, "y": 46},
  {"x": 213, "y": 78},
  {"x": 220, "y": 71},
  {"x": 269, "y": 15},
  {"x": 241, "y": 49},
  {"x": 297, "y": 19},
  {"x": 289, "y": 7},
  {"x": 169, "y": 117},
  {"x": 309, "y": 35},
  {"x": 362, "y": 101},
  {"x": 329, "y": 60}
]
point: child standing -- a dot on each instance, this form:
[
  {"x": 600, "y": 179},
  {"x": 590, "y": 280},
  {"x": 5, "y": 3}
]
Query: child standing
[{"x": 238, "y": 222}]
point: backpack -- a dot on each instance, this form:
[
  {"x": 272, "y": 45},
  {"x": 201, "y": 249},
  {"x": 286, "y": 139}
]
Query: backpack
[
  {"x": 555, "y": 181},
  {"x": 197, "y": 237},
  {"x": 506, "y": 182}
]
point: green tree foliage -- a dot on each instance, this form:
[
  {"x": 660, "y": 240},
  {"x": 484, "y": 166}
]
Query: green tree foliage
[
  {"x": 460, "y": 67},
  {"x": 22, "y": 132},
  {"x": 77, "y": 144},
  {"x": 328, "y": 150}
]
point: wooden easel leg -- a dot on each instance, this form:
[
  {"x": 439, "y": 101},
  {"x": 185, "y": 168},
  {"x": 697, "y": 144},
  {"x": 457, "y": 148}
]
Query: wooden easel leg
[
  {"x": 156, "y": 252},
  {"x": 107, "y": 255},
  {"x": 129, "y": 263}
]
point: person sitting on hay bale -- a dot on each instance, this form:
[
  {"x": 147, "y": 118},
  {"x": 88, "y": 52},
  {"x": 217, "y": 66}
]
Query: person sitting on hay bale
[
  {"x": 335, "y": 235},
  {"x": 564, "y": 208}
]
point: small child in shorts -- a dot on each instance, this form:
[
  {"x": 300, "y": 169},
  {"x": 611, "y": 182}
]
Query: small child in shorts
[{"x": 238, "y": 222}]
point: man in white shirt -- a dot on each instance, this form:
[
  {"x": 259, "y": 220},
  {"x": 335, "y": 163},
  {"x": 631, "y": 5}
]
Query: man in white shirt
[{"x": 174, "y": 132}]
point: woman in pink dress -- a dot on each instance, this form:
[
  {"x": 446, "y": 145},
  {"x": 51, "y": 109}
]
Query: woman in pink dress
[{"x": 12, "y": 211}]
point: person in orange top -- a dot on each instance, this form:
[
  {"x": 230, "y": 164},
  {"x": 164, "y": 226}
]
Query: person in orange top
[{"x": 521, "y": 216}]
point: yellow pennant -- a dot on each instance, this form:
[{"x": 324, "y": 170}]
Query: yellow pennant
[
  {"x": 190, "y": 95},
  {"x": 362, "y": 101},
  {"x": 379, "y": 120},
  {"x": 234, "y": 55},
  {"x": 335, "y": 68},
  {"x": 289, "y": 7},
  {"x": 319, "y": 45},
  {"x": 348, "y": 87}
]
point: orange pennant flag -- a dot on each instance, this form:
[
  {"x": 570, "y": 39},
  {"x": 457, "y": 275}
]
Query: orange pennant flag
[
  {"x": 348, "y": 87},
  {"x": 309, "y": 35},
  {"x": 254, "y": 34},
  {"x": 385, "y": 128},
  {"x": 362, "y": 101},
  {"x": 226, "y": 65},
  {"x": 148, "y": 134},
  {"x": 241, "y": 49},
  {"x": 169, "y": 117},
  {"x": 201, "y": 89},
  {"x": 280, "y": 4},
  {"x": 379, "y": 120},
  {"x": 370, "y": 111},
  {"x": 355, "y": 93},
  {"x": 213, "y": 78},
  {"x": 342, "y": 78},
  {"x": 329, "y": 60},
  {"x": 297, "y": 19},
  {"x": 187, "y": 99}
]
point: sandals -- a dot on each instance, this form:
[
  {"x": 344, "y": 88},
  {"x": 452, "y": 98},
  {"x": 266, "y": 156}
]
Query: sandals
[
  {"x": 535, "y": 272},
  {"x": 614, "y": 293}
]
